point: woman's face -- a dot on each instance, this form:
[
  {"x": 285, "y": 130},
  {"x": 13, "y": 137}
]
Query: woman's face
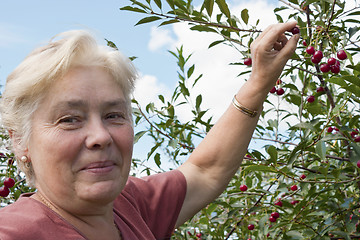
[{"x": 82, "y": 139}]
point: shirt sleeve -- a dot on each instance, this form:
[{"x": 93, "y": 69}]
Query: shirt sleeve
[{"x": 159, "y": 199}]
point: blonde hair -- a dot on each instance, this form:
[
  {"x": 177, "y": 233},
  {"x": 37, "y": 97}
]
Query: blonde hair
[{"x": 28, "y": 83}]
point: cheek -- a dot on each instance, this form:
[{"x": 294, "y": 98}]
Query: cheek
[{"x": 125, "y": 142}]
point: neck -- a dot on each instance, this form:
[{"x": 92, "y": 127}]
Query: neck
[{"x": 93, "y": 226}]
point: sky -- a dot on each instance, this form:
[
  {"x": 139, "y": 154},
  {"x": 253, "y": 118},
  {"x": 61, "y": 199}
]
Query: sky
[{"x": 25, "y": 25}]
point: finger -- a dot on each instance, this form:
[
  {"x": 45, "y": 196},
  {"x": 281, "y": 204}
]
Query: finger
[
  {"x": 276, "y": 32},
  {"x": 282, "y": 39},
  {"x": 287, "y": 51}
]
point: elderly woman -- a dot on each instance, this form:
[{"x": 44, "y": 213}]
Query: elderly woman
[{"x": 67, "y": 110}]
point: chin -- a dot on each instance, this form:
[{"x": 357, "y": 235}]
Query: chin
[{"x": 103, "y": 192}]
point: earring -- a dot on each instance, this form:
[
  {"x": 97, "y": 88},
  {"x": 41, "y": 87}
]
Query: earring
[{"x": 24, "y": 159}]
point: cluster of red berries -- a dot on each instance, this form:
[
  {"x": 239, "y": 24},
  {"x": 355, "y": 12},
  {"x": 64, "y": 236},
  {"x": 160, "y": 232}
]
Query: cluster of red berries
[
  {"x": 311, "y": 98},
  {"x": 355, "y": 135},
  {"x": 196, "y": 235},
  {"x": 5, "y": 190},
  {"x": 332, "y": 63},
  {"x": 278, "y": 90}
]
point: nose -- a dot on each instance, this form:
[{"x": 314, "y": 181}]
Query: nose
[{"x": 98, "y": 135}]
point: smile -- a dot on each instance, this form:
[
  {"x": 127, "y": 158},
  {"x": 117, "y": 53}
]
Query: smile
[{"x": 99, "y": 167}]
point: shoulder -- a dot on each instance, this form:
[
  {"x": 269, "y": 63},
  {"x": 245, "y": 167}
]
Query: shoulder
[{"x": 28, "y": 219}]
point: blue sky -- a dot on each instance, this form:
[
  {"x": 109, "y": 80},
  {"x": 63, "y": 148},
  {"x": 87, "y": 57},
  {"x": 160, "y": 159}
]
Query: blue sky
[{"x": 26, "y": 24}]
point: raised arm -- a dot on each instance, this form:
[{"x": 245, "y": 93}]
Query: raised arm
[{"x": 217, "y": 158}]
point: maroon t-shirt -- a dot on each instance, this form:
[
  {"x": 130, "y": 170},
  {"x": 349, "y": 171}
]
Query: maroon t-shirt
[{"x": 147, "y": 208}]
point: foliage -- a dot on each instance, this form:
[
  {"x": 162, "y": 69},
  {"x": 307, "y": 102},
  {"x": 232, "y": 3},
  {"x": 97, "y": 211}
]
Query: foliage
[
  {"x": 320, "y": 139},
  {"x": 326, "y": 204}
]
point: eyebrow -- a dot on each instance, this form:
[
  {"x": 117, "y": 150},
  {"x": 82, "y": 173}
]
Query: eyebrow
[{"x": 82, "y": 104}]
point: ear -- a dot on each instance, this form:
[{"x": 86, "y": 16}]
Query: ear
[{"x": 18, "y": 146}]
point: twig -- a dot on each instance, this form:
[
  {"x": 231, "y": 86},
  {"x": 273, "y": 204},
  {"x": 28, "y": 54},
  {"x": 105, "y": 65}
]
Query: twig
[
  {"x": 161, "y": 132},
  {"x": 291, "y": 5},
  {"x": 204, "y": 23},
  {"x": 330, "y": 18},
  {"x": 247, "y": 210}
]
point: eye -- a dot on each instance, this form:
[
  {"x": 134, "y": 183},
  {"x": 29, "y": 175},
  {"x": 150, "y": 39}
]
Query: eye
[
  {"x": 68, "y": 120},
  {"x": 117, "y": 116}
]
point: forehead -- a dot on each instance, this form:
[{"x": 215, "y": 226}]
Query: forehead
[{"x": 85, "y": 85}]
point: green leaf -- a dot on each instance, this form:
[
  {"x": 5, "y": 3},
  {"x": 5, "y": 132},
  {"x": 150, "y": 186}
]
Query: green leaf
[
  {"x": 209, "y": 6},
  {"x": 295, "y": 152},
  {"x": 147, "y": 20},
  {"x": 260, "y": 168},
  {"x": 303, "y": 125},
  {"x": 169, "y": 22},
  {"x": 320, "y": 149},
  {"x": 138, "y": 135},
  {"x": 132, "y": 9},
  {"x": 157, "y": 159},
  {"x": 215, "y": 43},
  {"x": 294, "y": 235},
  {"x": 202, "y": 28},
  {"x": 198, "y": 102},
  {"x": 224, "y": 8},
  {"x": 245, "y": 15},
  {"x": 158, "y": 3},
  {"x": 190, "y": 71},
  {"x": 272, "y": 151}
]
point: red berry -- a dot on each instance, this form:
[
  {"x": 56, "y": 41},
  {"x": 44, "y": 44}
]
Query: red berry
[
  {"x": 278, "y": 82},
  {"x": 279, "y": 203},
  {"x": 330, "y": 129},
  {"x": 310, "y": 50},
  {"x": 303, "y": 176},
  {"x": 315, "y": 60},
  {"x": 325, "y": 67},
  {"x": 272, "y": 219},
  {"x": 335, "y": 69},
  {"x": 294, "y": 188},
  {"x": 198, "y": 235},
  {"x": 318, "y": 55},
  {"x": 280, "y": 91},
  {"x": 247, "y": 61},
  {"x": 295, "y": 30},
  {"x": 294, "y": 202},
  {"x": 4, "y": 191},
  {"x": 357, "y": 139},
  {"x": 304, "y": 43},
  {"x": 310, "y": 99},
  {"x": 273, "y": 90},
  {"x": 320, "y": 89},
  {"x": 275, "y": 215},
  {"x": 341, "y": 55},
  {"x": 9, "y": 182},
  {"x": 251, "y": 226},
  {"x": 243, "y": 188},
  {"x": 354, "y": 134},
  {"x": 331, "y": 61}
]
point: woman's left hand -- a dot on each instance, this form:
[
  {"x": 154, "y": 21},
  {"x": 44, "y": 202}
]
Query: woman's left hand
[{"x": 270, "y": 52}]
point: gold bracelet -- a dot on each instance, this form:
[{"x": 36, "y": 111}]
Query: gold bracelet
[{"x": 241, "y": 108}]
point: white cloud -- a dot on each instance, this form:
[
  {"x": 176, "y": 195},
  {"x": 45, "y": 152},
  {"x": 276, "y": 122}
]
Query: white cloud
[
  {"x": 159, "y": 38},
  {"x": 148, "y": 88}
]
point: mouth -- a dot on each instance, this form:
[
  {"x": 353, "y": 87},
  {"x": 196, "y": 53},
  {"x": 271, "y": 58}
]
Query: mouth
[{"x": 99, "y": 167}]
